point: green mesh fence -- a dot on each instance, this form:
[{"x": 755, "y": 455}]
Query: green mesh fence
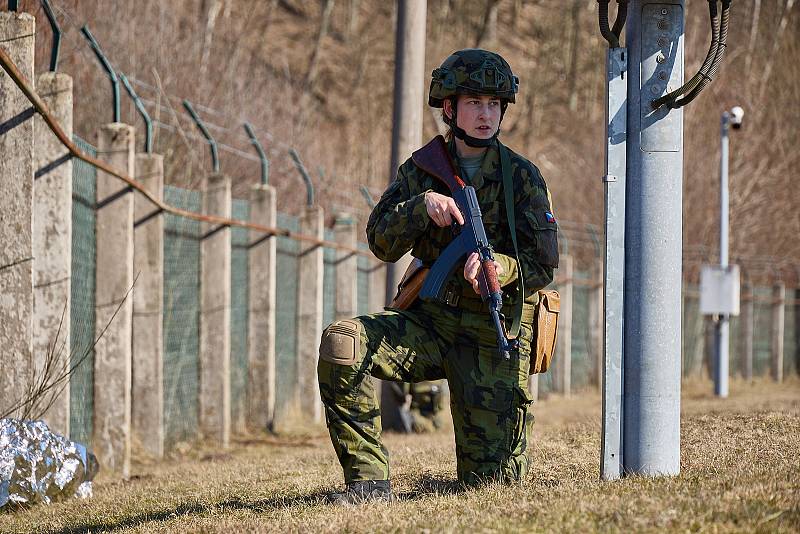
[
  {"x": 364, "y": 271},
  {"x": 285, "y": 313},
  {"x": 697, "y": 333},
  {"x": 329, "y": 282},
  {"x": 790, "y": 338},
  {"x": 181, "y": 317},
  {"x": 581, "y": 369},
  {"x": 692, "y": 332},
  {"x": 82, "y": 315},
  {"x": 762, "y": 330},
  {"x": 240, "y": 272}
]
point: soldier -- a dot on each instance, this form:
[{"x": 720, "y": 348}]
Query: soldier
[
  {"x": 426, "y": 406},
  {"x": 419, "y": 405},
  {"x": 455, "y": 340}
]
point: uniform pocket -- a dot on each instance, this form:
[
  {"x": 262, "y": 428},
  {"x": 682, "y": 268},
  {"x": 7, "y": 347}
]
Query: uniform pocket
[{"x": 546, "y": 228}]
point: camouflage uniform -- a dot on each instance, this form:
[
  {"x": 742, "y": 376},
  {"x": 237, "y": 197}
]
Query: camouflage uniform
[{"x": 433, "y": 340}]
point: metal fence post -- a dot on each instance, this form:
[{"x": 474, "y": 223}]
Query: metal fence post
[
  {"x": 613, "y": 265},
  {"x": 778, "y": 326},
  {"x": 746, "y": 331}
]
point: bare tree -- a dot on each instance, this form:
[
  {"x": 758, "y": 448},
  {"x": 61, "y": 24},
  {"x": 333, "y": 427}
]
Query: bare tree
[{"x": 488, "y": 33}]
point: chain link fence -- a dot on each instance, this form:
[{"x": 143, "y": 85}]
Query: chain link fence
[
  {"x": 181, "y": 317},
  {"x": 82, "y": 314}
]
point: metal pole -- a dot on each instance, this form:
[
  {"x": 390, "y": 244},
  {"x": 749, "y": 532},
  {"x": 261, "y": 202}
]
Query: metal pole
[
  {"x": 653, "y": 241},
  {"x": 148, "y": 123},
  {"x": 112, "y": 74},
  {"x": 722, "y": 324},
  {"x": 54, "y": 52},
  {"x": 212, "y": 143},
  {"x": 304, "y": 175},
  {"x": 409, "y": 95},
  {"x": 614, "y": 259}
]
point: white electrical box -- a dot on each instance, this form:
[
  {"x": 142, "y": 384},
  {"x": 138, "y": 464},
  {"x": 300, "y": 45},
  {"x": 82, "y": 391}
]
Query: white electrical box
[{"x": 719, "y": 290}]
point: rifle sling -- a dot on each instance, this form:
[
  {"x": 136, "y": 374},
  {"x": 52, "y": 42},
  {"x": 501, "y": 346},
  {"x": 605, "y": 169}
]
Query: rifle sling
[{"x": 508, "y": 188}]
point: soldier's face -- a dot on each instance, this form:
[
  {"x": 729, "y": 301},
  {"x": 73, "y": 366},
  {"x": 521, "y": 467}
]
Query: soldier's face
[{"x": 479, "y": 116}]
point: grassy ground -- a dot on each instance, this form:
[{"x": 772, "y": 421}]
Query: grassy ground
[{"x": 740, "y": 472}]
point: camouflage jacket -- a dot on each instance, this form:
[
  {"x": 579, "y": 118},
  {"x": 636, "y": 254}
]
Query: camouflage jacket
[{"x": 400, "y": 222}]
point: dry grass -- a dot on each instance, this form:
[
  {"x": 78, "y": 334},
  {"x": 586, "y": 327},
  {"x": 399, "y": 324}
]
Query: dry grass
[{"x": 740, "y": 472}]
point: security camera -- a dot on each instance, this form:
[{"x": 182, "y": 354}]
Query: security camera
[{"x": 737, "y": 113}]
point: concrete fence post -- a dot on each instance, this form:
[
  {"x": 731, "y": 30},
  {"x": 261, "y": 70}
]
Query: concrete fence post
[
  {"x": 562, "y": 371},
  {"x": 114, "y": 278},
  {"x": 148, "y": 307},
  {"x": 709, "y": 345},
  {"x": 698, "y": 332},
  {"x": 346, "y": 268},
  {"x": 778, "y": 326},
  {"x": 215, "y": 314},
  {"x": 16, "y": 213},
  {"x": 377, "y": 300},
  {"x": 309, "y": 312},
  {"x": 261, "y": 380},
  {"x": 596, "y": 324},
  {"x": 533, "y": 387},
  {"x": 746, "y": 331},
  {"x": 52, "y": 243},
  {"x": 377, "y": 285}
]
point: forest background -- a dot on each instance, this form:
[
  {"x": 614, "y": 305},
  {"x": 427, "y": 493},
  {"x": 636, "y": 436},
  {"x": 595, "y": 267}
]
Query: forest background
[{"x": 317, "y": 76}]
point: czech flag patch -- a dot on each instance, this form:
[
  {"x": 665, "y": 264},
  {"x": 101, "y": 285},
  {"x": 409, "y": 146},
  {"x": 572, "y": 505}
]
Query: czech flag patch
[{"x": 549, "y": 216}]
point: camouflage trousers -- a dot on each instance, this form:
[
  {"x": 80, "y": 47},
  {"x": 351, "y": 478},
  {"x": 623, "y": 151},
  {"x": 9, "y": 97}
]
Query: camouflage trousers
[{"x": 488, "y": 395}]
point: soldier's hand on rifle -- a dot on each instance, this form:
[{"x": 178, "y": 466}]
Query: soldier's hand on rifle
[
  {"x": 442, "y": 209},
  {"x": 471, "y": 269}
]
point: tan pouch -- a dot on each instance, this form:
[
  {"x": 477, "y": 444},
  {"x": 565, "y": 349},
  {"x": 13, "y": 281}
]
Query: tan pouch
[
  {"x": 410, "y": 285},
  {"x": 545, "y": 330}
]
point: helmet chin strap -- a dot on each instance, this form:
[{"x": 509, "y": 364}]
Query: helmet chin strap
[{"x": 460, "y": 133}]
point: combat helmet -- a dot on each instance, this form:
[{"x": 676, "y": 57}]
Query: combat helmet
[{"x": 472, "y": 71}]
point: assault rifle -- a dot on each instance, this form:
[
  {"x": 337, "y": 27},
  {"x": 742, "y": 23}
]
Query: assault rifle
[{"x": 434, "y": 159}]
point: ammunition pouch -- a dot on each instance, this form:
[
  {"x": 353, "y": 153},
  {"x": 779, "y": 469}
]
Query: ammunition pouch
[{"x": 545, "y": 330}]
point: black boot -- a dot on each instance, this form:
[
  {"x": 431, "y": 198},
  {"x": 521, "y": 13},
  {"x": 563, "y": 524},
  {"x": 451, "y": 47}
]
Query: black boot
[{"x": 363, "y": 491}]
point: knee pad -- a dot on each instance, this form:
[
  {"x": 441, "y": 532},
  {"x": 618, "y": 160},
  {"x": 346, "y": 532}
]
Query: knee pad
[{"x": 341, "y": 342}]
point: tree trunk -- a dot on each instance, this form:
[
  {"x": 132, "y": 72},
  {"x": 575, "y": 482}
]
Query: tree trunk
[{"x": 488, "y": 33}]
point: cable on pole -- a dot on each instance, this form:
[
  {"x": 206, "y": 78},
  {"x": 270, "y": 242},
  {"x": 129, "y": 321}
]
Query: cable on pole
[
  {"x": 704, "y": 76},
  {"x": 612, "y": 34}
]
